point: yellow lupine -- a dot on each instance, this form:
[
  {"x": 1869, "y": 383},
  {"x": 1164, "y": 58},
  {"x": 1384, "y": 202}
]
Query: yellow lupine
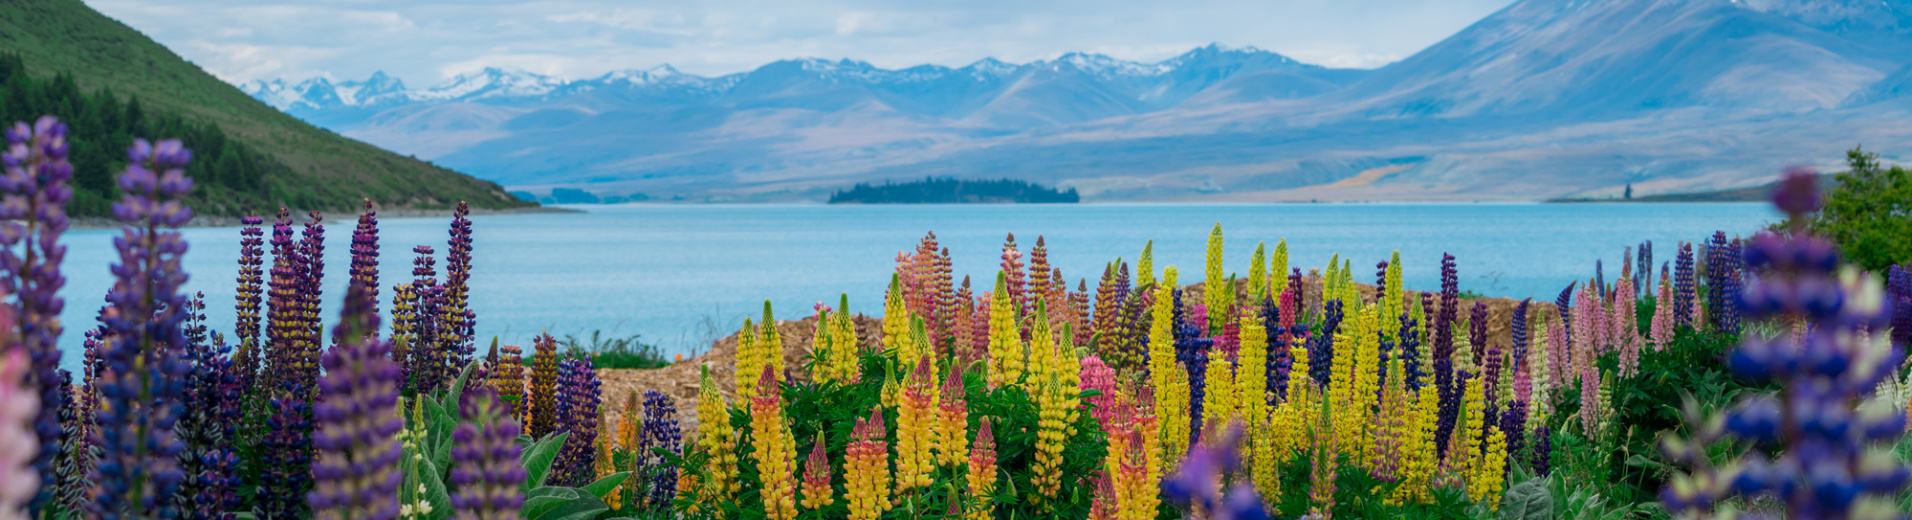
[
  {"x": 749, "y": 365},
  {"x": 770, "y": 345},
  {"x": 1467, "y": 440},
  {"x": 604, "y": 466},
  {"x": 1217, "y": 293},
  {"x": 952, "y": 425},
  {"x": 1069, "y": 370},
  {"x": 1278, "y": 271},
  {"x": 1051, "y": 435},
  {"x": 1145, "y": 495},
  {"x": 1005, "y": 339},
  {"x": 1251, "y": 380},
  {"x": 1418, "y": 453},
  {"x": 1258, "y": 275},
  {"x": 1218, "y": 403},
  {"x": 1299, "y": 403},
  {"x": 915, "y": 430},
  {"x": 716, "y": 438},
  {"x": 1265, "y": 464},
  {"x": 1538, "y": 369},
  {"x": 836, "y": 348},
  {"x": 866, "y": 471},
  {"x": 896, "y": 323},
  {"x": 1490, "y": 472},
  {"x": 1391, "y": 294},
  {"x": 1162, "y": 344},
  {"x": 1042, "y": 349},
  {"x": 1145, "y": 266},
  {"x": 817, "y": 493},
  {"x": 1174, "y": 414}
]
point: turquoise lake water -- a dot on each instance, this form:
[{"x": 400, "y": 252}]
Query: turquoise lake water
[{"x": 682, "y": 275}]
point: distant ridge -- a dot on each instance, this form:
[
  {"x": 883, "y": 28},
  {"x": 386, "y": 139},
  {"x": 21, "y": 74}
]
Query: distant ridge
[
  {"x": 1543, "y": 99},
  {"x": 314, "y": 168}
]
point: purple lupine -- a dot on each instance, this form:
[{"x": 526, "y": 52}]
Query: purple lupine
[
  {"x": 485, "y": 471},
  {"x": 1683, "y": 286},
  {"x": 74, "y": 467},
  {"x": 34, "y": 215},
  {"x": 1477, "y": 332},
  {"x": 364, "y": 268},
  {"x": 1563, "y": 307},
  {"x": 1412, "y": 372},
  {"x": 1278, "y": 361},
  {"x": 282, "y": 309},
  {"x": 144, "y": 370},
  {"x": 1513, "y": 423},
  {"x": 456, "y": 319},
  {"x": 1599, "y": 278},
  {"x": 311, "y": 278},
  {"x": 1543, "y": 451},
  {"x": 1198, "y": 481},
  {"x": 208, "y": 463},
  {"x": 1192, "y": 350},
  {"x": 1321, "y": 345},
  {"x": 357, "y": 473},
  {"x": 661, "y": 431},
  {"x": 1723, "y": 282},
  {"x": 578, "y": 400},
  {"x": 1444, "y": 353},
  {"x": 1828, "y": 463},
  {"x": 425, "y": 361},
  {"x": 1490, "y": 374},
  {"x": 1519, "y": 329},
  {"x": 1899, "y": 290},
  {"x": 285, "y": 470},
  {"x": 247, "y": 300},
  {"x": 1644, "y": 266}
]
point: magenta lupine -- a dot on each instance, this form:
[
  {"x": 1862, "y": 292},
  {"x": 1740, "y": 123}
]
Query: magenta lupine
[
  {"x": 357, "y": 474},
  {"x": 144, "y": 371},
  {"x": 485, "y": 472},
  {"x": 1095, "y": 375},
  {"x": 34, "y": 215},
  {"x": 661, "y": 431},
  {"x": 19, "y": 407}
]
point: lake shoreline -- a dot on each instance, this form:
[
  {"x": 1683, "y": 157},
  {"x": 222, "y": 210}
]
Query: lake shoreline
[{"x": 206, "y": 221}]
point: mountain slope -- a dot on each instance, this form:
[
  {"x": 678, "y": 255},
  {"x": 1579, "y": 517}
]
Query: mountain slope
[{"x": 322, "y": 169}]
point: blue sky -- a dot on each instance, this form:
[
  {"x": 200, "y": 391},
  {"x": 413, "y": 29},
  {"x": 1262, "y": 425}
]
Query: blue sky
[{"x": 424, "y": 42}]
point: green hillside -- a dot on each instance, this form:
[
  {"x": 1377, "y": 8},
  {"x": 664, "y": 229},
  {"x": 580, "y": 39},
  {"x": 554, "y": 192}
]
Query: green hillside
[{"x": 83, "y": 66}]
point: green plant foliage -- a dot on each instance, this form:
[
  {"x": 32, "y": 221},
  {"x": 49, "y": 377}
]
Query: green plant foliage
[
  {"x": 1868, "y": 212},
  {"x": 613, "y": 352}
]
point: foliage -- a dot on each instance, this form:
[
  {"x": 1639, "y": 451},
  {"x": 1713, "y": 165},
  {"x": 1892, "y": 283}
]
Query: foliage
[
  {"x": 1868, "y": 212},
  {"x": 301, "y": 166},
  {"x": 932, "y": 190},
  {"x": 614, "y": 352}
]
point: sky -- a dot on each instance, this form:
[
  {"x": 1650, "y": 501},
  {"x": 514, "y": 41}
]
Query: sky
[{"x": 424, "y": 42}]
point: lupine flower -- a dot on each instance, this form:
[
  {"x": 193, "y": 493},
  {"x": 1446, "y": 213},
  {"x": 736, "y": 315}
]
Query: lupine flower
[
  {"x": 1444, "y": 350},
  {"x": 578, "y": 400},
  {"x": 418, "y": 304},
  {"x": 1662, "y": 323},
  {"x": 1198, "y": 482},
  {"x": 1899, "y": 293},
  {"x": 246, "y": 305},
  {"x": 1161, "y": 341},
  {"x": 19, "y": 406},
  {"x": 544, "y": 387},
  {"x": 866, "y": 468},
  {"x": 952, "y": 419},
  {"x": 661, "y": 431},
  {"x": 1278, "y": 364},
  {"x": 1192, "y": 352},
  {"x": 1831, "y": 464},
  {"x": 1490, "y": 374},
  {"x": 285, "y": 475},
  {"x": 1012, "y": 273},
  {"x": 208, "y": 463},
  {"x": 1217, "y": 293},
  {"x": 1684, "y": 288},
  {"x": 1057, "y": 399},
  {"x": 1477, "y": 333},
  {"x": 456, "y": 316},
  {"x": 1251, "y": 378},
  {"x": 1005, "y": 338},
  {"x": 37, "y": 170},
  {"x": 144, "y": 373},
  {"x": 1099, "y": 377},
  {"x": 507, "y": 378},
  {"x": 364, "y": 269},
  {"x": 1419, "y": 455},
  {"x": 1624, "y": 323},
  {"x": 1323, "y": 461},
  {"x": 816, "y": 477},
  {"x": 1390, "y": 428},
  {"x": 311, "y": 269},
  {"x": 1490, "y": 473},
  {"x": 775, "y": 450},
  {"x": 716, "y": 439},
  {"x": 357, "y": 469},
  {"x": 485, "y": 472},
  {"x": 1722, "y": 282},
  {"x": 1040, "y": 284}
]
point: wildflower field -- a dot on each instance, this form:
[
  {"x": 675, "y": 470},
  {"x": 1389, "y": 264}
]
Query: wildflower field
[{"x": 1749, "y": 376}]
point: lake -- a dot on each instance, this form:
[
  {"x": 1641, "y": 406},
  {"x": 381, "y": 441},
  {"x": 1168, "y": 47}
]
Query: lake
[{"x": 682, "y": 275}]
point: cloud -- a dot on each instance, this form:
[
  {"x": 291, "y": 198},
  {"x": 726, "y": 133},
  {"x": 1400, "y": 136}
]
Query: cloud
[{"x": 424, "y": 42}]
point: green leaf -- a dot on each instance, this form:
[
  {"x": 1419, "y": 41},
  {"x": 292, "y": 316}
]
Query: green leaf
[
  {"x": 1527, "y": 501},
  {"x": 604, "y": 486},
  {"x": 538, "y": 458},
  {"x": 435, "y": 494},
  {"x": 456, "y": 391},
  {"x": 544, "y": 499},
  {"x": 563, "y": 504}
]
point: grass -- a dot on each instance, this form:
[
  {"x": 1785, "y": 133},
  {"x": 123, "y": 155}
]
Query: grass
[{"x": 614, "y": 352}]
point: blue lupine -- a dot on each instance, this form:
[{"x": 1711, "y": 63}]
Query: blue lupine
[
  {"x": 661, "y": 431},
  {"x": 32, "y": 220},
  {"x": 1683, "y": 286},
  {"x": 1448, "y": 393},
  {"x": 145, "y": 371},
  {"x": 485, "y": 471},
  {"x": 357, "y": 473}
]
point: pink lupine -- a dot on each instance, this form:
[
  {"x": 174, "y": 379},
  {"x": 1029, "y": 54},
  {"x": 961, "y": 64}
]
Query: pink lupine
[
  {"x": 1096, "y": 375},
  {"x": 1662, "y": 332},
  {"x": 1559, "y": 352},
  {"x": 1625, "y": 327},
  {"x": 18, "y": 445}
]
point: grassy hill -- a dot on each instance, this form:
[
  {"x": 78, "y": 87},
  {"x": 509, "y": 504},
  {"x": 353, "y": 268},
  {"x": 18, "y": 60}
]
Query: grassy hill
[{"x": 303, "y": 166}]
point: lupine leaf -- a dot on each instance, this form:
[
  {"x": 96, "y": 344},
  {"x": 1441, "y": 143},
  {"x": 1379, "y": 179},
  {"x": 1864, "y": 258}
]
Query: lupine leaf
[
  {"x": 606, "y": 485},
  {"x": 435, "y": 494},
  {"x": 545, "y": 498},
  {"x": 1527, "y": 501},
  {"x": 537, "y": 460}
]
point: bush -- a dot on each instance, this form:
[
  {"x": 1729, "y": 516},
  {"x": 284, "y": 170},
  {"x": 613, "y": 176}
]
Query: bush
[{"x": 1868, "y": 212}]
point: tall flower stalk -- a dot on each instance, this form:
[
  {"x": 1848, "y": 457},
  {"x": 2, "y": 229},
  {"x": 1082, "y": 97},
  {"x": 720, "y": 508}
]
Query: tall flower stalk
[
  {"x": 357, "y": 473},
  {"x": 144, "y": 369},
  {"x": 485, "y": 470},
  {"x": 34, "y": 212}
]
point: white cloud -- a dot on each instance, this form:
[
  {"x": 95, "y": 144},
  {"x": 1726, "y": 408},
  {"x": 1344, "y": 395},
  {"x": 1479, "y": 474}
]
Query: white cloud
[{"x": 424, "y": 42}]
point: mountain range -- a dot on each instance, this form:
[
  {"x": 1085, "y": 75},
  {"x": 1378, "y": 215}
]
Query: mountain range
[{"x": 1543, "y": 99}]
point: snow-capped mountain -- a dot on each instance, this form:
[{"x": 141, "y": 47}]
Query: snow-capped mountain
[{"x": 1544, "y": 98}]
